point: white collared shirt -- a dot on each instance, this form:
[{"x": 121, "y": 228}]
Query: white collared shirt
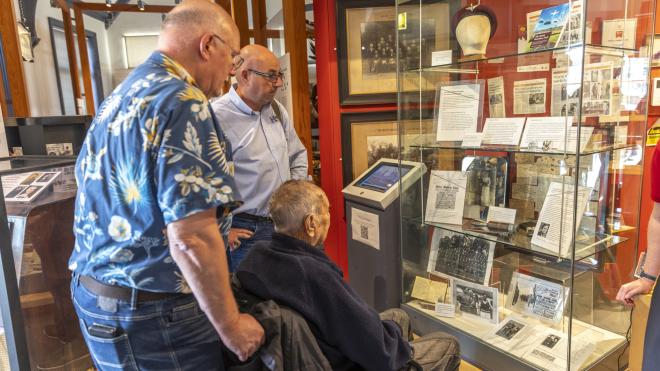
[{"x": 266, "y": 152}]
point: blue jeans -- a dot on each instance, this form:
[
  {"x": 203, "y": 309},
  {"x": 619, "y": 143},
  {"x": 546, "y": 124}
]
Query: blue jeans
[
  {"x": 263, "y": 231},
  {"x": 169, "y": 334}
]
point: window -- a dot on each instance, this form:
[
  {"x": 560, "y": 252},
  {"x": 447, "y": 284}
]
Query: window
[
  {"x": 58, "y": 41},
  {"x": 138, "y": 48}
]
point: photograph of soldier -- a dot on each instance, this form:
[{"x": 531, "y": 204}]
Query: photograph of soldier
[
  {"x": 510, "y": 329},
  {"x": 474, "y": 301}
]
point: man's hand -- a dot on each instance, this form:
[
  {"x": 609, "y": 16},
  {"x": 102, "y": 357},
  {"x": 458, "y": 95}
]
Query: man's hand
[
  {"x": 243, "y": 337},
  {"x": 236, "y": 235},
  {"x": 631, "y": 289}
]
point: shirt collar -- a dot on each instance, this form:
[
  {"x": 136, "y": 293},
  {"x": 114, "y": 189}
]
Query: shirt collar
[
  {"x": 172, "y": 67},
  {"x": 239, "y": 102}
]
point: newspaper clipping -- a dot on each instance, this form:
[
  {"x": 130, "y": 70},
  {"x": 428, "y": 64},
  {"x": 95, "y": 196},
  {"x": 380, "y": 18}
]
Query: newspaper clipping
[
  {"x": 446, "y": 197},
  {"x": 496, "y": 104},
  {"x": 536, "y": 297},
  {"x": 529, "y": 96}
]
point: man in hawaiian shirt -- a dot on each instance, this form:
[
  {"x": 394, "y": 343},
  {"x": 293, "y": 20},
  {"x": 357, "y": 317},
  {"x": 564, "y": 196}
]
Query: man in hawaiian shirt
[{"x": 150, "y": 280}]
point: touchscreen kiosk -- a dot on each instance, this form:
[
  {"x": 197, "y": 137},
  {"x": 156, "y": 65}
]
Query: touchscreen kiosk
[
  {"x": 373, "y": 220},
  {"x": 378, "y": 186}
]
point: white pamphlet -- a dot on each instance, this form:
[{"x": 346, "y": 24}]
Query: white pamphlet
[
  {"x": 496, "y": 101},
  {"x": 446, "y": 198},
  {"x": 620, "y": 33},
  {"x": 554, "y": 228},
  {"x": 549, "y": 134},
  {"x": 510, "y": 332},
  {"x": 505, "y": 131},
  {"x": 445, "y": 309},
  {"x": 472, "y": 140},
  {"x": 365, "y": 228},
  {"x": 536, "y": 297},
  {"x": 458, "y": 111},
  {"x": 529, "y": 96},
  {"x": 549, "y": 350},
  {"x": 501, "y": 215},
  {"x": 476, "y": 301}
]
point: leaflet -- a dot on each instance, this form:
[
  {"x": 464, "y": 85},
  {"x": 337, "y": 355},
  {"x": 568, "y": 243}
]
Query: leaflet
[
  {"x": 446, "y": 197},
  {"x": 505, "y": 131},
  {"x": 458, "y": 111},
  {"x": 554, "y": 227}
]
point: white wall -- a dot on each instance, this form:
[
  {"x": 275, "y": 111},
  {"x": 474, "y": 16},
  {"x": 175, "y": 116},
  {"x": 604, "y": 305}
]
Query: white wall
[
  {"x": 130, "y": 24},
  {"x": 40, "y": 76}
]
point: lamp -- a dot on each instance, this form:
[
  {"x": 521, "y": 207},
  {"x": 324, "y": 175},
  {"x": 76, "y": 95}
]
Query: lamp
[{"x": 140, "y": 5}]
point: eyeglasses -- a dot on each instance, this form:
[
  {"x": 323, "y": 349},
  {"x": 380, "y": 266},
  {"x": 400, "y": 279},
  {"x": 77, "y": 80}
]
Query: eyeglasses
[
  {"x": 272, "y": 77},
  {"x": 234, "y": 53}
]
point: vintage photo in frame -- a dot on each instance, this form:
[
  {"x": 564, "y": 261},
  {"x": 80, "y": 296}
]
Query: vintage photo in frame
[
  {"x": 461, "y": 256},
  {"x": 537, "y": 297},
  {"x": 366, "y": 47},
  {"x": 477, "y": 301},
  {"x": 370, "y": 136}
]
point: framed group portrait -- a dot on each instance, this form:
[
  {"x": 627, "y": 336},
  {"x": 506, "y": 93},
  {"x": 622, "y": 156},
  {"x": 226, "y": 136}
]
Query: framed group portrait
[
  {"x": 369, "y": 136},
  {"x": 367, "y": 47}
]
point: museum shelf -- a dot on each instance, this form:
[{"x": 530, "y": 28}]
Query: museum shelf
[{"x": 531, "y": 128}]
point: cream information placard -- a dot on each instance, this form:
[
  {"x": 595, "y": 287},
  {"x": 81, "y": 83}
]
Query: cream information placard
[
  {"x": 458, "y": 111},
  {"x": 427, "y": 290},
  {"x": 365, "y": 228},
  {"x": 505, "y": 131}
]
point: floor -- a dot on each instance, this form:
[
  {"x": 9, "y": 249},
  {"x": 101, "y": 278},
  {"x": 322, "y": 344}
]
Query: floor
[{"x": 465, "y": 366}]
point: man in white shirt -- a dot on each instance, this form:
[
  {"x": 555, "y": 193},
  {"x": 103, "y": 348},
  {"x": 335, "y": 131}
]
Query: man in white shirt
[{"x": 266, "y": 150}]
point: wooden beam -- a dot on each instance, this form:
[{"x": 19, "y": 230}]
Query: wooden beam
[
  {"x": 101, "y": 7},
  {"x": 259, "y": 21},
  {"x": 84, "y": 61},
  {"x": 62, "y": 4},
  {"x": 295, "y": 41},
  {"x": 225, "y": 4},
  {"x": 270, "y": 34},
  {"x": 240, "y": 14},
  {"x": 13, "y": 59},
  {"x": 71, "y": 54}
]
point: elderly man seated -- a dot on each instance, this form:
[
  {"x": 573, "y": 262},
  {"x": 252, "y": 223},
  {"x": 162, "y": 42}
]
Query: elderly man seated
[{"x": 293, "y": 271}]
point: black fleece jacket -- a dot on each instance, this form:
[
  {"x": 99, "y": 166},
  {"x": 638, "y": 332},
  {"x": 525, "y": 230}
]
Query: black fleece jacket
[{"x": 349, "y": 332}]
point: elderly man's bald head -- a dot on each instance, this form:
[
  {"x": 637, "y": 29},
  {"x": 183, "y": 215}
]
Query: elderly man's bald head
[{"x": 256, "y": 56}]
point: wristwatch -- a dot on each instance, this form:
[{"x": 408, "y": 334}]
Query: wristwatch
[{"x": 643, "y": 274}]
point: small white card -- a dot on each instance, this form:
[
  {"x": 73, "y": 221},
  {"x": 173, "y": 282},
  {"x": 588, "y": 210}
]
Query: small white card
[
  {"x": 501, "y": 215},
  {"x": 472, "y": 140},
  {"x": 445, "y": 309},
  {"x": 441, "y": 57},
  {"x": 534, "y": 68},
  {"x": 504, "y": 131}
]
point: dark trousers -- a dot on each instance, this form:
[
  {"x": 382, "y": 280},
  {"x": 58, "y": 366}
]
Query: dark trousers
[
  {"x": 263, "y": 231},
  {"x": 651, "y": 360}
]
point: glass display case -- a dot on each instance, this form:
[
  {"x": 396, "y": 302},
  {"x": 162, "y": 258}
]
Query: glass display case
[
  {"x": 531, "y": 124},
  {"x": 39, "y": 327}
]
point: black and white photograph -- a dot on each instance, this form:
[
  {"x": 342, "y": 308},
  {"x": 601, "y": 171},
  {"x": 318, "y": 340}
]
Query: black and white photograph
[
  {"x": 381, "y": 146},
  {"x": 45, "y": 177},
  {"x": 461, "y": 256},
  {"x": 537, "y": 98},
  {"x": 31, "y": 178},
  {"x": 536, "y": 297},
  {"x": 477, "y": 301},
  {"x": 543, "y": 229},
  {"x": 550, "y": 341},
  {"x": 29, "y": 192},
  {"x": 597, "y": 97},
  {"x": 510, "y": 329},
  {"x": 14, "y": 192},
  {"x": 486, "y": 185}
]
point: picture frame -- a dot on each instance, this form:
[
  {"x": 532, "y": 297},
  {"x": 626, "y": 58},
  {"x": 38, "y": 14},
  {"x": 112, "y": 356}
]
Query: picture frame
[
  {"x": 369, "y": 136},
  {"x": 367, "y": 57}
]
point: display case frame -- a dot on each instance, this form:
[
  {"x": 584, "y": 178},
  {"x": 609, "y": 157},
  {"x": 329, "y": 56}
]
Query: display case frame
[
  {"x": 11, "y": 308},
  {"x": 565, "y": 222}
]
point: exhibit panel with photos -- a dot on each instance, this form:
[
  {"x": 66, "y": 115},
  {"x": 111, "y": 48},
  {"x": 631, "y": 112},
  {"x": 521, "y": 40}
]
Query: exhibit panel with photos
[{"x": 523, "y": 228}]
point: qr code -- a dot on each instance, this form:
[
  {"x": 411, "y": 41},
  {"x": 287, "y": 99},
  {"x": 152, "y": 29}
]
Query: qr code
[{"x": 364, "y": 232}]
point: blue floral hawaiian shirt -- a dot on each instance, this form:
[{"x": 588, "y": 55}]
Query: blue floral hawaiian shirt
[{"x": 154, "y": 154}]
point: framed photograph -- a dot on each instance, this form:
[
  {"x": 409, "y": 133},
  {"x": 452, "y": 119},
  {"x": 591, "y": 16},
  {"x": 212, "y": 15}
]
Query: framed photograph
[
  {"x": 461, "y": 256},
  {"x": 537, "y": 297},
  {"x": 366, "y": 47},
  {"x": 370, "y": 136},
  {"x": 478, "y": 301}
]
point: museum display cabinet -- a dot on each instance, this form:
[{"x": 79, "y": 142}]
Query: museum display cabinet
[
  {"x": 531, "y": 124},
  {"x": 39, "y": 328}
]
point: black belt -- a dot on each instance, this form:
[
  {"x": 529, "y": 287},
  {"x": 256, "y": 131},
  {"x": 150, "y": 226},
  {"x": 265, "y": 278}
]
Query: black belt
[
  {"x": 124, "y": 293},
  {"x": 254, "y": 218}
]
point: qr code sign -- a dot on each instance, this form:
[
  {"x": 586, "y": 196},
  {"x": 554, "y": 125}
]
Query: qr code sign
[{"x": 364, "y": 232}]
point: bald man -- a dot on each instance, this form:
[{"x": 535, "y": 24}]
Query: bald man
[
  {"x": 265, "y": 147},
  {"x": 150, "y": 278}
]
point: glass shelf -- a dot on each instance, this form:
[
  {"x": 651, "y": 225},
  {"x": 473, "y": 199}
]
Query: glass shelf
[
  {"x": 20, "y": 164},
  {"x": 586, "y": 246},
  {"x": 516, "y": 149},
  {"x": 462, "y": 66}
]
